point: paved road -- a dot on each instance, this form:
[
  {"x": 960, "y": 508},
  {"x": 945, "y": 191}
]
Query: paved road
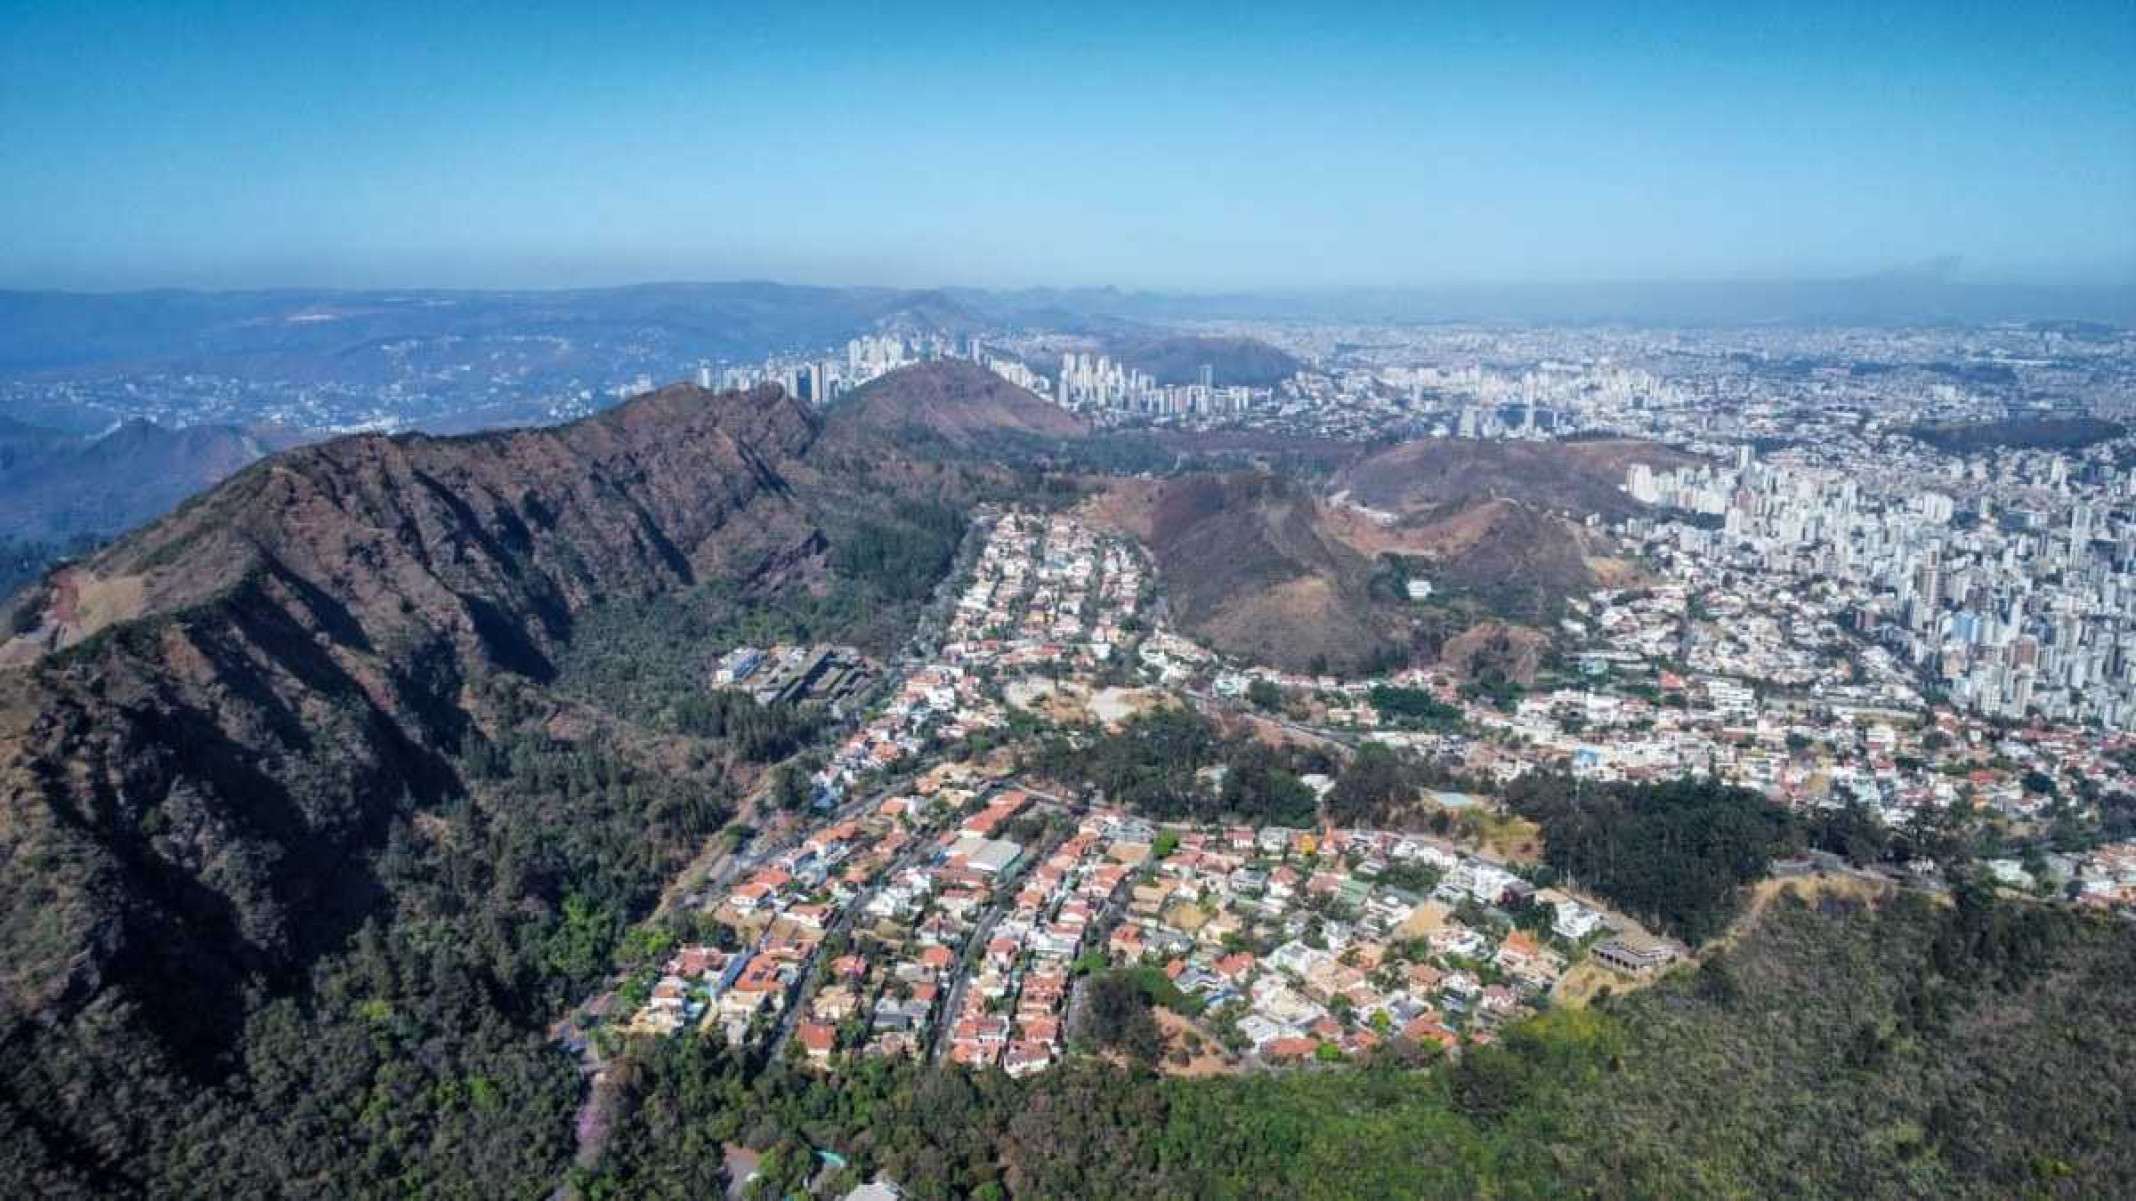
[
  {"x": 975, "y": 942},
  {"x": 920, "y": 849},
  {"x": 1097, "y": 935}
]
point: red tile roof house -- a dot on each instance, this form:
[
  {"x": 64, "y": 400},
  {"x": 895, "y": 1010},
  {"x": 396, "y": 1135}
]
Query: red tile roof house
[
  {"x": 992, "y": 1031},
  {"x": 669, "y": 992},
  {"x": 1424, "y": 1030},
  {"x": 1290, "y": 1048},
  {"x": 819, "y": 1039},
  {"x": 1359, "y": 1041},
  {"x": 812, "y": 917},
  {"x": 1126, "y": 941},
  {"x": 749, "y": 896},
  {"x": 691, "y": 962}
]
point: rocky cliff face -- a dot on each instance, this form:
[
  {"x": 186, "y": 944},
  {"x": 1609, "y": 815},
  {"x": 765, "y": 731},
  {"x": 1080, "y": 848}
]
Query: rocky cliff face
[{"x": 203, "y": 722}]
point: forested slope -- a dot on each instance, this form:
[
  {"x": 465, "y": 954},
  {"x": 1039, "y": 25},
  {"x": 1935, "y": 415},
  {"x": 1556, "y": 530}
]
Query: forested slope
[{"x": 1913, "y": 1049}]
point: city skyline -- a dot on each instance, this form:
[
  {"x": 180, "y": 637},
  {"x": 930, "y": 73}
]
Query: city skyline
[{"x": 209, "y": 146}]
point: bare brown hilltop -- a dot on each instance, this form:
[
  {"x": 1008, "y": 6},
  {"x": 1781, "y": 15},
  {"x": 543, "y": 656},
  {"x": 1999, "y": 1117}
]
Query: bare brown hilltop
[
  {"x": 1262, "y": 566},
  {"x": 1575, "y": 478},
  {"x": 488, "y": 539},
  {"x": 1251, "y": 564},
  {"x": 956, "y": 404}
]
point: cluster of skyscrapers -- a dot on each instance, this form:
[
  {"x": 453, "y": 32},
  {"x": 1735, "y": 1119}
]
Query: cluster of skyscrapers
[
  {"x": 2017, "y": 600},
  {"x": 1097, "y": 382}
]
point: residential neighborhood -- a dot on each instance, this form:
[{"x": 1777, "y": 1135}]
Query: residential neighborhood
[{"x": 943, "y": 906}]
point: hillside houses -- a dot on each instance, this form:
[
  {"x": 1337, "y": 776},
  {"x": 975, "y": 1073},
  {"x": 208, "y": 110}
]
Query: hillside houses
[{"x": 1289, "y": 938}]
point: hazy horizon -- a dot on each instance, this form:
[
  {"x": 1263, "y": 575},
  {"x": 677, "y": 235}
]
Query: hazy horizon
[
  {"x": 1189, "y": 150},
  {"x": 1931, "y": 276}
]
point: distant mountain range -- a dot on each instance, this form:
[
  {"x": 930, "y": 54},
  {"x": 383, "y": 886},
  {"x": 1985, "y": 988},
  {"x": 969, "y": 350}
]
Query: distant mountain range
[
  {"x": 1907, "y": 297},
  {"x": 296, "y": 333},
  {"x": 57, "y": 487},
  {"x": 344, "y": 335}
]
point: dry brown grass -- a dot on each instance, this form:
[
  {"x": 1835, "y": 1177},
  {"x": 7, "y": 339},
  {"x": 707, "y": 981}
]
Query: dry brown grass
[
  {"x": 1810, "y": 888},
  {"x": 1581, "y": 982},
  {"x": 1517, "y": 649},
  {"x": 1126, "y": 505},
  {"x": 1186, "y": 916},
  {"x": 1212, "y": 1059},
  {"x": 1427, "y": 918}
]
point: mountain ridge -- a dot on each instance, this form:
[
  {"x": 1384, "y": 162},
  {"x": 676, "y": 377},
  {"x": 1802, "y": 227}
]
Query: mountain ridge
[{"x": 238, "y": 738}]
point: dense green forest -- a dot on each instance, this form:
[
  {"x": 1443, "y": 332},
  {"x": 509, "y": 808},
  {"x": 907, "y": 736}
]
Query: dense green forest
[
  {"x": 1414, "y": 709},
  {"x": 1376, "y": 786},
  {"x": 1175, "y": 765},
  {"x": 903, "y": 556},
  {"x": 1676, "y": 854},
  {"x": 1973, "y": 1050},
  {"x": 413, "y": 1059}
]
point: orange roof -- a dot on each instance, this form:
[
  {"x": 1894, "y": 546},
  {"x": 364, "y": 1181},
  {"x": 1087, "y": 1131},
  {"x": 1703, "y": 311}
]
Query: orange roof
[{"x": 1425, "y": 1030}]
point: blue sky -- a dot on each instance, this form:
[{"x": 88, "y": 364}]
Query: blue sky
[{"x": 1156, "y": 145}]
